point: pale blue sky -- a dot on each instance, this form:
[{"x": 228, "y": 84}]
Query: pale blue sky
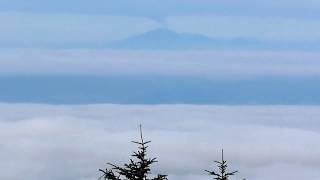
[
  {"x": 45, "y": 23},
  {"x": 156, "y": 8},
  {"x": 260, "y": 41}
]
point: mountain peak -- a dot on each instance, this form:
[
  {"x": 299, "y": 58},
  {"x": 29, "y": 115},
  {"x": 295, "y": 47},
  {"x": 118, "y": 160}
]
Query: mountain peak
[
  {"x": 163, "y": 39},
  {"x": 160, "y": 32}
]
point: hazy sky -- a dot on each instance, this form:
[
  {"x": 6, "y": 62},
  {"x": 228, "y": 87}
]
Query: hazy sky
[
  {"x": 75, "y": 21},
  {"x": 263, "y": 41},
  {"x": 61, "y": 38}
]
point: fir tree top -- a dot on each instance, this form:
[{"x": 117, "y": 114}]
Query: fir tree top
[
  {"x": 222, "y": 166},
  {"x": 137, "y": 169}
]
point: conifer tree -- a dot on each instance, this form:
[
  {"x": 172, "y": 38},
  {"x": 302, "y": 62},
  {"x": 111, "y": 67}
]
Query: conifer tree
[
  {"x": 137, "y": 169},
  {"x": 222, "y": 174}
]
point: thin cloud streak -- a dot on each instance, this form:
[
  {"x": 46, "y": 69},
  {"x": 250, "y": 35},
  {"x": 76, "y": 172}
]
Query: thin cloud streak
[{"x": 194, "y": 63}]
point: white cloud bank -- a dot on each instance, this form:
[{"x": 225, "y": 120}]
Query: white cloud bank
[
  {"x": 72, "y": 142},
  {"x": 196, "y": 63}
]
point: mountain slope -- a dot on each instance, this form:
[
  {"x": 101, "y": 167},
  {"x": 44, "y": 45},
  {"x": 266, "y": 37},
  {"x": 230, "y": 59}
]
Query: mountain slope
[
  {"x": 163, "y": 39},
  {"x": 169, "y": 40}
]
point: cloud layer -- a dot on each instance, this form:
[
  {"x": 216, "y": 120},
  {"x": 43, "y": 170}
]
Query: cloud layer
[
  {"x": 195, "y": 63},
  {"x": 72, "y": 142}
]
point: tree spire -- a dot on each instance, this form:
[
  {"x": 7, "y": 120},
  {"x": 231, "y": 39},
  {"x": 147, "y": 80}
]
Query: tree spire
[
  {"x": 223, "y": 174},
  {"x": 137, "y": 169}
]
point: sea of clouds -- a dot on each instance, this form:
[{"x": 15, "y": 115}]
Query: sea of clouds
[{"x": 71, "y": 142}]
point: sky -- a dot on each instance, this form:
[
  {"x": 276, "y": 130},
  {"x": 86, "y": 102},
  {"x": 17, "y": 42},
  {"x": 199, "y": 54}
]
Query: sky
[
  {"x": 77, "y": 78},
  {"x": 41, "y": 24}
]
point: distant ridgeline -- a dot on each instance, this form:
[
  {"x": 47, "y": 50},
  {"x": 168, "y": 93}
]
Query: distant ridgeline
[
  {"x": 158, "y": 90},
  {"x": 165, "y": 39}
]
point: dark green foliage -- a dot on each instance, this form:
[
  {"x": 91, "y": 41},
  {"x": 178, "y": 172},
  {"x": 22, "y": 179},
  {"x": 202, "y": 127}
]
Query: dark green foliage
[
  {"x": 137, "y": 169},
  {"x": 222, "y": 174}
]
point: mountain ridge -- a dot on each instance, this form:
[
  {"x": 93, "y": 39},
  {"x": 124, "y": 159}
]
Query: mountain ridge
[{"x": 165, "y": 39}]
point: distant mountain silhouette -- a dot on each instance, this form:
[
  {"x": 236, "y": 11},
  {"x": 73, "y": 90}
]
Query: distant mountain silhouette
[
  {"x": 163, "y": 39},
  {"x": 169, "y": 40}
]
